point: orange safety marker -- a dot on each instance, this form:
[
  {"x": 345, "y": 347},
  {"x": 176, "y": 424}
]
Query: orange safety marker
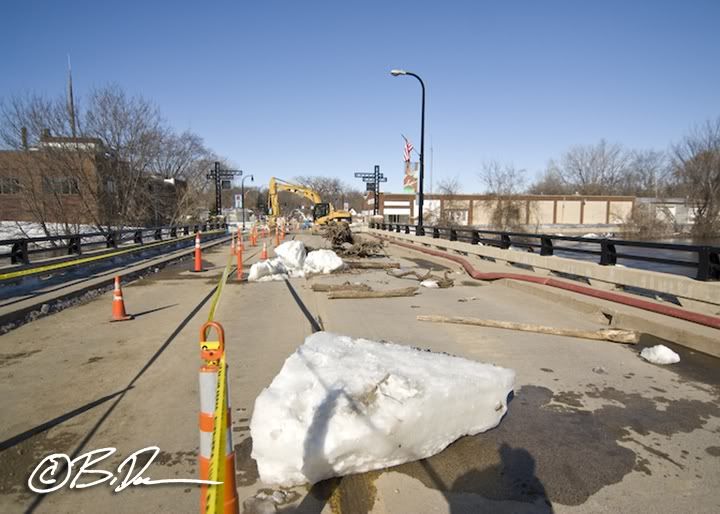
[
  {"x": 118, "y": 305},
  {"x": 263, "y": 254},
  {"x": 198, "y": 254},
  {"x": 240, "y": 263},
  {"x": 240, "y": 240},
  {"x": 211, "y": 352}
]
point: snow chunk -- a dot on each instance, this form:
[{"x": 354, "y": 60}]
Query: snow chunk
[
  {"x": 342, "y": 405},
  {"x": 322, "y": 261},
  {"x": 292, "y": 254},
  {"x": 432, "y": 284},
  {"x": 266, "y": 270},
  {"x": 660, "y": 354}
]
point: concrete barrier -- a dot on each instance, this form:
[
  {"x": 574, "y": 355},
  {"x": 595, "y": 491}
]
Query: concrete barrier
[{"x": 691, "y": 294}]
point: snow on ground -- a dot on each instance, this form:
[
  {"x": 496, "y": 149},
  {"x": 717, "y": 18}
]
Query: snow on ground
[
  {"x": 341, "y": 405},
  {"x": 24, "y": 229},
  {"x": 432, "y": 284},
  {"x": 660, "y": 354},
  {"x": 292, "y": 261}
]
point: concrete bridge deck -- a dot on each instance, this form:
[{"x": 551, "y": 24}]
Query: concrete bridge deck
[{"x": 591, "y": 428}]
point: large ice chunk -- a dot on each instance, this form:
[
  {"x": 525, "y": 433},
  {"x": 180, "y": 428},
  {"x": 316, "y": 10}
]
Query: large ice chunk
[
  {"x": 322, "y": 261},
  {"x": 342, "y": 405},
  {"x": 292, "y": 254}
]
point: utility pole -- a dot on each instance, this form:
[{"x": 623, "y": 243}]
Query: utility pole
[{"x": 221, "y": 177}]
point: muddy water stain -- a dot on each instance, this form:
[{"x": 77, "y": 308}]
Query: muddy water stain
[
  {"x": 246, "y": 472},
  {"x": 541, "y": 450},
  {"x": 18, "y": 461},
  {"x": 713, "y": 450},
  {"x": 7, "y": 359}
]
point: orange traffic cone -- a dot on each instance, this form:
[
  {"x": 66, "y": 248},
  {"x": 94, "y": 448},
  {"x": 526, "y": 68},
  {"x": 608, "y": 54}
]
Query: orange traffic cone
[
  {"x": 198, "y": 254},
  {"x": 263, "y": 254},
  {"x": 240, "y": 263},
  {"x": 240, "y": 245},
  {"x": 118, "y": 306}
]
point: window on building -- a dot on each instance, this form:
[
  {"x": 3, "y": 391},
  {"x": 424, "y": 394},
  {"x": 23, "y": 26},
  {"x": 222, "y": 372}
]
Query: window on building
[
  {"x": 9, "y": 185},
  {"x": 61, "y": 185}
]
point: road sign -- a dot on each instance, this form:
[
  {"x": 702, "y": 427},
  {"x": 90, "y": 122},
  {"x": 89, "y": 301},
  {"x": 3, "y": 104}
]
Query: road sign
[
  {"x": 363, "y": 175},
  {"x": 370, "y": 187}
]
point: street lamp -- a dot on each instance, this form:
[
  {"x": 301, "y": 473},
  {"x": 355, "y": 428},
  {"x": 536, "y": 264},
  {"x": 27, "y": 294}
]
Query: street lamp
[
  {"x": 242, "y": 195},
  {"x": 420, "y": 230}
]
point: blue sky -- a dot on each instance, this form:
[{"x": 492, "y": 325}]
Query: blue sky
[{"x": 291, "y": 88}]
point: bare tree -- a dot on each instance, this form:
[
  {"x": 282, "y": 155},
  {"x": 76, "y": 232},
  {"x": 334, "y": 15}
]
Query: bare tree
[
  {"x": 127, "y": 167},
  {"x": 696, "y": 168},
  {"x": 550, "y": 183},
  {"x": 593, "y": 169},
  {"x": 648, "y": 174},
  {"x": 504, "y": 182},
  {"x": 451, "y": 213}
]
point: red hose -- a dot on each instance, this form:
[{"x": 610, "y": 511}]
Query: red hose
[{"x": 667, "y": 310}]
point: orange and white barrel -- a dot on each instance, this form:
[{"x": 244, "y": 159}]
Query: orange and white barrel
[{"x": 208, "y": 386}]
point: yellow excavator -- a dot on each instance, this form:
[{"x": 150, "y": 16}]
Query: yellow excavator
[{"x": 323, "y": 212}]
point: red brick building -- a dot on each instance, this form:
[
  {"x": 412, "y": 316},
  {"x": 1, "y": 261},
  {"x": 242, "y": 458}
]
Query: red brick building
[{"x": 76, "y": 181}]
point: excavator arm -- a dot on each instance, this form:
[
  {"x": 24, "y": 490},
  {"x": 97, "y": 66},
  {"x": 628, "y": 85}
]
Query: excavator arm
[{"x": 323, "y": 212}]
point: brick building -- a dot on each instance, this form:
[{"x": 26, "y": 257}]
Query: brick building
[{"x": 75, "y": 180}]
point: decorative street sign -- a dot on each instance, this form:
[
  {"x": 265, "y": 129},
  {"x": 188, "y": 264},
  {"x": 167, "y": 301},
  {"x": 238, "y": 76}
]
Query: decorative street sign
[
  {"x": 372, "y": 184},
  {"x": 223, "y": 180}
]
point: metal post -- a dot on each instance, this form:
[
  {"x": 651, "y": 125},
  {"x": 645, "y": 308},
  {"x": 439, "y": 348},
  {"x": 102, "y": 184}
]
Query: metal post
[
  {"x": 218, "y": 190},
  {"x": 242, "y": 203},
  {"x": 420, "y": 230}
]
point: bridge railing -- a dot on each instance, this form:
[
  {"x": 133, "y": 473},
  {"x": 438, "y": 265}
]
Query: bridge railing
[
  {"x": 74, "y": 244},
  {"x": 704, "y": 259}
]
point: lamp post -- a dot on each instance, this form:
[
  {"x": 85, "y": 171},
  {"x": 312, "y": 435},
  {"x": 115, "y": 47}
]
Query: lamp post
[
  {"x": 420, "y": 230},
  {"x": 242, "y": 195}
]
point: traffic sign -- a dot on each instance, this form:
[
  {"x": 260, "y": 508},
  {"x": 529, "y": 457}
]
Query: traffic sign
[{"x": 363, "y": 175}]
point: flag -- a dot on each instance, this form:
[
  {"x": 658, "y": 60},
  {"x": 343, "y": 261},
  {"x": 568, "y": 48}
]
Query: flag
[{"x": 408, "y": 148}]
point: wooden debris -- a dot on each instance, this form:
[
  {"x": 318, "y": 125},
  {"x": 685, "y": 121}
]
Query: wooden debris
[
  {"x": 372, "y": 264},
  {"x": 442, "y": 283},
  {"x": 413, "y": 273},
  {"x": 361, "y": 249},
  {"x": 347, "y": 286},
  {"x": 338, "y": 233},
  {"x": 391, "y": 293},
  {"x": 445, "y": 282},
  {"x": 607, "y": 334}
]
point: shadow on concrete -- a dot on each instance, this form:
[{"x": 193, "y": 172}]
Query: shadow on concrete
[
  {"x": 19, "y": 438},
  {"x": 150, "y": 311},
  {"x": 510, "y": 486},
  {"x": 38, "y": 498}
]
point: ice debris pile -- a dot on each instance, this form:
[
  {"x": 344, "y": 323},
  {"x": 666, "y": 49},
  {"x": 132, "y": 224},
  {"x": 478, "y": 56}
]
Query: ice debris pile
[
  {"x": 341, "y": 405},
  {"x": 660, "y": 354},
  {"x": 293, "y": 261}
]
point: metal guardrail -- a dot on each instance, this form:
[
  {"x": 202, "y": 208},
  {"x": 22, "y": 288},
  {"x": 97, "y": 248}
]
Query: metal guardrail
[
  {"x": 23, "y": 248},
  {"x": 707, "y": 263}
]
